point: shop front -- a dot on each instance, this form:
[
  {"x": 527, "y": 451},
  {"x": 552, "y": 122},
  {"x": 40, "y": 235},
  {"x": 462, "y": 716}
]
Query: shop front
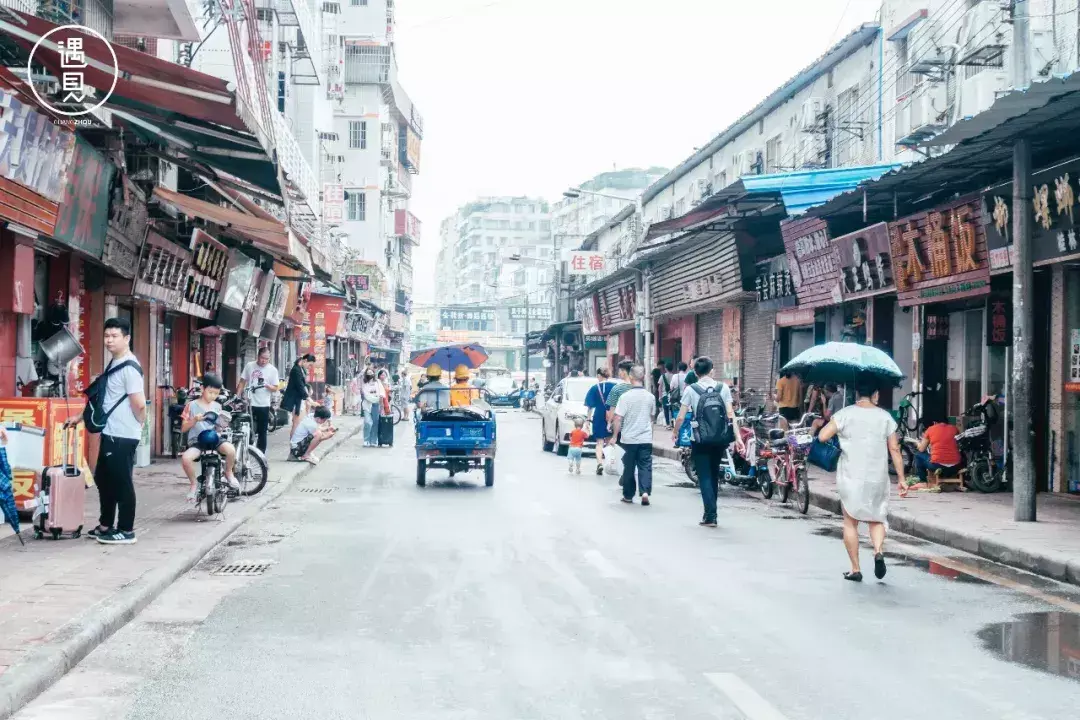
[
  {"x": 617, "y": 308},
  {"x": 941, "y": 270}
]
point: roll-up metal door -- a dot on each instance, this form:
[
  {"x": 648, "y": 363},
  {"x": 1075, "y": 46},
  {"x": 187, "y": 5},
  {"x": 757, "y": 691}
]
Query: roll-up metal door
[
  {"x": 698, "y": 275},
  {"x": 710, "y": 335},
  {"x": 757, "y": 335}
]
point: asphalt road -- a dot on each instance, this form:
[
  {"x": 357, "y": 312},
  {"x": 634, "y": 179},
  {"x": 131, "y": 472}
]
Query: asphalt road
[{"x": 546, "y": 598}]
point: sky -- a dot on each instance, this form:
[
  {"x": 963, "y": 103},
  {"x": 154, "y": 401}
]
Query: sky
[{"x": 530, "y": 97}]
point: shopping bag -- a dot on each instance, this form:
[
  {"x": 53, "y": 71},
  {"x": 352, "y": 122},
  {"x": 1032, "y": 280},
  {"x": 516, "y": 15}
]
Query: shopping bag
[
  {"x": 613, "y": 460},
  {"x": 825, "y": 455},
  {"x": 686, "y": 432}
]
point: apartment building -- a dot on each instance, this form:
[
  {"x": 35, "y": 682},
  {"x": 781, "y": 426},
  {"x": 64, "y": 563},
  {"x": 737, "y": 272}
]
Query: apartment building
[{"x": 584, "y": 209}]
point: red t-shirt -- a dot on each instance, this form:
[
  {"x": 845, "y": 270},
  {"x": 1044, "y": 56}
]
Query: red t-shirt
[
  {"x": 943, "y": 448},
  {"x": 578, "y": 437}
]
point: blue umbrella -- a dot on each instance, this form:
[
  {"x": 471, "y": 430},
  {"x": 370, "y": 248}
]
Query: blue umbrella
[
  {"x": 7, "y": 496},
  {"x": 841, "y": 362},
  {"x": 448, "y": 357}
]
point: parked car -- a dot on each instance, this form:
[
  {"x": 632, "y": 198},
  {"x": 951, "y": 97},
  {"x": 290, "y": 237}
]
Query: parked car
[
  {"x": 558, "y": 413},
  {"x": 502, "y": 391}
]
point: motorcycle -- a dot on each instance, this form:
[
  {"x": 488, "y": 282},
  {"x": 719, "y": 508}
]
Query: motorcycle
[
  {"x": 177, "y": 437},
  {"x": 528, "y": 401},
  {"x": 212, "y": 489},
  {"x": 742, "y": 469},
  {"x": 976, "y": 447}
]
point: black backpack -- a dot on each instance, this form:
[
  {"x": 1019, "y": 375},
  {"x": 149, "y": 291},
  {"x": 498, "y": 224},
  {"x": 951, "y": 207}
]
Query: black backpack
[
  {"x": 711, "y": 423},
  {"x": 95, "y": 416}
]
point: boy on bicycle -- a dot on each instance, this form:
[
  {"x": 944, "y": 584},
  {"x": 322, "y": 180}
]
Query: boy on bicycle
[{"x": 194, "y": 423}]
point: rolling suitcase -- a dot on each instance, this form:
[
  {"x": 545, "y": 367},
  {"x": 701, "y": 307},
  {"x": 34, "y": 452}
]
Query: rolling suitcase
[
  {"x": 61, "y": 493},
  {"x": 386, "y": 430}
]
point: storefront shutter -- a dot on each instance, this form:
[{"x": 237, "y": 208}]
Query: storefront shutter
[
  {"x": 757, "y": 333},
  {"x": 710, "y": 334}
]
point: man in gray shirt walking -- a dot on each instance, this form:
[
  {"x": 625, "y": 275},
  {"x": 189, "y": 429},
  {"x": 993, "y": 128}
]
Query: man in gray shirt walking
[{"x": 634, "y": 415}]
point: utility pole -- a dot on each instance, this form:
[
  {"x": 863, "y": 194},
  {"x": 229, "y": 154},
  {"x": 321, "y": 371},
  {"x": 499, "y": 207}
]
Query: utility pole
[
  {"x": 1023, "y": 465},
  {"x": 526, "y": 343}
]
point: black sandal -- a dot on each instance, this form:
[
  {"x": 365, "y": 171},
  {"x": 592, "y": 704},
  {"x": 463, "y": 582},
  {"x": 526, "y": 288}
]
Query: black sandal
[
  {"x": 853, "y": 576},
  {"x": 879, "y": 566}
]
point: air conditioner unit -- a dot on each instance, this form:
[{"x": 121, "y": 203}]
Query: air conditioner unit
[
  {"x": 983, "y": 33},
  {"x": 812, "y": 109},
  {"x": 666, "y": 212},
  {"x": 811, "y": 149},
  {"x": 979, "y": 92}
]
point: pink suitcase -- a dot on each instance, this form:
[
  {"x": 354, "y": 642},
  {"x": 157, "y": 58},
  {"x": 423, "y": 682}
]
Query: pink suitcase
[{"x": 61, "y": 493}]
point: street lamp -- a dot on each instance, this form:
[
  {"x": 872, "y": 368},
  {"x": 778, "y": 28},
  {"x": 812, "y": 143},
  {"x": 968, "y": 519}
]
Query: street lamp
[{"x": 576, "y": 193}]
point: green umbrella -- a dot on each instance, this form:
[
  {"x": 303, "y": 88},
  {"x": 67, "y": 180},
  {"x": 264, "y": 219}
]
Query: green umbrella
[{"x": 842, "y": 362}]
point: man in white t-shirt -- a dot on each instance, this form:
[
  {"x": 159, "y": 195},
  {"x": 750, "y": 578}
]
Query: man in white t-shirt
[
  {"x": 707, "y": 458},
  {"x": 263, "y": 380},
  {"x": 633, "y": 424}
]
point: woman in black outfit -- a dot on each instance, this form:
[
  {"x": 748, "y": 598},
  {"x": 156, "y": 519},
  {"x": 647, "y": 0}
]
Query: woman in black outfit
[{"x": 296, "y": 392}]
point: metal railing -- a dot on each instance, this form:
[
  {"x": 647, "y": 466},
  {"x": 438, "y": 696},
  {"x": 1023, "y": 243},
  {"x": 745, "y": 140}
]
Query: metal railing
[{"x": 297, "y": 170}]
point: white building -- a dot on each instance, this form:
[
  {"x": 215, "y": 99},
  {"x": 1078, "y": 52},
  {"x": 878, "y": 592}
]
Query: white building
[{"x": 587, "y": 207}]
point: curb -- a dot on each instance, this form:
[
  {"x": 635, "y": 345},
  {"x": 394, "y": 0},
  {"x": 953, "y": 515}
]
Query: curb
[
  {"x": 1047, "y": 564},
  {"x": 47, "y": 663}
]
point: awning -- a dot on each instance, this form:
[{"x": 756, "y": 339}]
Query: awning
[
  {"x": 753, "y": 195},
  {"x": 268, "y": 235}
]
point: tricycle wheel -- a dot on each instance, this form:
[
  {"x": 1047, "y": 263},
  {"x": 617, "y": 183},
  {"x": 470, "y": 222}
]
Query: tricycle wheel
[
  {"x": 421, "y": 472},
  {"x": 489, "y": 472}
]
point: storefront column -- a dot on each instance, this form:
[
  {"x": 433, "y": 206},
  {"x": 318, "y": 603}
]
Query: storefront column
[{"x": 1059, "y": 370}]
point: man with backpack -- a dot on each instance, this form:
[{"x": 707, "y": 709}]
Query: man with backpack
[
  {"x": 714, "y": 428},
  {"x": 116, "y": 408}
]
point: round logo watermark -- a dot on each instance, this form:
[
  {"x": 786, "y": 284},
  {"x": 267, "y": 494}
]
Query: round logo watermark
[{"x": 73, "y": 65}]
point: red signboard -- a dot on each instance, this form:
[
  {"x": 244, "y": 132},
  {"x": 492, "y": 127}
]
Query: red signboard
[
  {"x": 617, "y": 305},
  {"x": 406, "y": 225},
  {"x": 865, "y": 264},
  {"x": 587, "y": 314},
  {"x": 941, "y": 254},
  {"x": 795, "y": 317},
  {"x": 813, "y": 261}
]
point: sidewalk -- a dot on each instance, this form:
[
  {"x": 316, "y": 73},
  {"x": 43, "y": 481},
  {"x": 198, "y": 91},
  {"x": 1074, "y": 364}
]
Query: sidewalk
[
  {"x": 60, "y": 599},
  {"x": 973, "y": 522}
]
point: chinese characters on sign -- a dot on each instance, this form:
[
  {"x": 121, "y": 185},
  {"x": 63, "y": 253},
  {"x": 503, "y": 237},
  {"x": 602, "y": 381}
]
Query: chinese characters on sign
[
  {"x": 940, "y": 255},
  {"x": 1072, "y": 380},
  {"x": 865, "y": 267},
  {"x": 999, "y": 320},
  {"x": 449, "y": 317},
  {"x": 533, "y": 312},
  {"x": 617, "y": 305},
  {"x": 1055, "y": 231},
  {"x": 704, "y": 287},
  {"x": 586, "y": 263},
  {"x": 407, "y": 225},
  {"x": 774, "y": 286},
  {"x": 587, "y": 314},
  {"x": 812, "y": 259},
  {"x": 333, "y": 203}
]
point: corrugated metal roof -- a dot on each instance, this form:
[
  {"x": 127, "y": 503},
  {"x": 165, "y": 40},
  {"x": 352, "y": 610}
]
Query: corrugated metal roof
[
  {"x": 856, "y": 39},
  {"x": 1013, "y": 104}
]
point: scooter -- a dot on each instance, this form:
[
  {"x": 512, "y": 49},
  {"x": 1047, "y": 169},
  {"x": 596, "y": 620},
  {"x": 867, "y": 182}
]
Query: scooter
[
  {"x": 178, "y": 440},
  {"x": 975, "y": 445}
]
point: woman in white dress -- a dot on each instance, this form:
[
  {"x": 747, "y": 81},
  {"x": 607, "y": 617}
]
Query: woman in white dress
[{"x": 867, "y": 441}]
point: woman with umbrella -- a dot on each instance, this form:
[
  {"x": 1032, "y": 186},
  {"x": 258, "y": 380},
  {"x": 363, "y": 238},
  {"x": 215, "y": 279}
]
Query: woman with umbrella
[{"x": 868, "y": 441}]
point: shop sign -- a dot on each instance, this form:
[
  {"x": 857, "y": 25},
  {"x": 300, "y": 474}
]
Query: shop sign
[
  {"x": 617, "y": 305},
  {"x": 238, "y": 281},
  {"x": 1072, "y": 382},
  {"x": 163, "y": 268},
  {"x": 586, "y": 312},
  {"x": 449, "y": 316},
  {"x": 333, "y": 203},
  {"x": 813, "y": 261},
  {"x": 586, "y": 263},
  {"x": 275, "y": 308},
  {"x": 704, "y": 287},
  {"x": 534, "y": 342},
  {"x": 1055, "y": 218},
  {"x": 409, "y": 148},
  {"x": 940, "y": 255},
  {"x": 17, "y": 277},
  {"x": 773, "y": 284},
  {"x": 407, "y": 225},
  {"x": 532, "y": 312},
  {"x": 795, "y": 317},
  {"x": 999, "y": 320},
  {"x": 251, "y": 301},
  {"x": 35, "y": 152},
  {"x": 731, "y": 343},
  {"x": 128, "y": 223},
  {"x": 83, "y": 217},
  {"x": 865, "y": 265},
  {"x": 613, "y": 345}
]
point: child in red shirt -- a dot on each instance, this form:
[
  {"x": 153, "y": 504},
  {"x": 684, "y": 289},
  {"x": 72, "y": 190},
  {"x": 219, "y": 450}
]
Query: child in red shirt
[{"x": 578, "y": 436}]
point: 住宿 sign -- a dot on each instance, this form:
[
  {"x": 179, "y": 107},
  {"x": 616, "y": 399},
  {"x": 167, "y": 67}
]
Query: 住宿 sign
[
  {"x": 586, "y": 263},
  {"x": 333, "y": 204}
]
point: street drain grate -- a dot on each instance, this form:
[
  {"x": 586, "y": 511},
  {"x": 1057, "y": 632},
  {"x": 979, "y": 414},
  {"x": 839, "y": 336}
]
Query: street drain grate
[
  {"x": 245, "y": 568},
  {"x": 316, "y": 490}
]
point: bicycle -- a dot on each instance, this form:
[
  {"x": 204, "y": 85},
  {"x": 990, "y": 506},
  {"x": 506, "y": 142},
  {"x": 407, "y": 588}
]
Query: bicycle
[
  {"x": 252, "y": 467},
  {"x": 910, "y": 426},
  {"x": 787, "y": 467}
]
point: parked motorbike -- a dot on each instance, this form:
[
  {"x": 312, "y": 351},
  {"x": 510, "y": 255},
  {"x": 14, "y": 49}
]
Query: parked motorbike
[
  {"x": 528, "y": 401},
  {"x": 976, "y": 447},
  {"x": 278, "y": 418},
  {"x": 177, "y": 438},
  {"x": 212, "y": 489}
]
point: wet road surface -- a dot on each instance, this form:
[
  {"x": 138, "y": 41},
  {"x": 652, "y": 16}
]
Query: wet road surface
[{"x": 360, "y": 595}]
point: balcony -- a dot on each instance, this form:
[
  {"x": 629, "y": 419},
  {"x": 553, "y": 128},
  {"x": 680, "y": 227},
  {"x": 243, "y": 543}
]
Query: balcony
[
  {"x": 298, "y": 173},
  {"x": 163, "y": 19},
  {"x": 307, "y": 55},
  {"x": 367, "y": 62}
]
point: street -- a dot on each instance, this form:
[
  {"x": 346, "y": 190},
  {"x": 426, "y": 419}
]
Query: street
[{"x": 545, "y": 597}]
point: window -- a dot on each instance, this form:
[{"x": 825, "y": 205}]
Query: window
[
  {"x": 774, "y": 151},
  {"x": 357, "y": 205},
  {"x": 358, "y": 134},
  {"x": 358, "y": 3},
  {"x": 331, "y": 8}
]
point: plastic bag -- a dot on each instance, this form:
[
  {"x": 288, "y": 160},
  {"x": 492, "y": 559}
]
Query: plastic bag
[
  {"x": 613, "y": 460},
  {"x": 686, "y": 432}
]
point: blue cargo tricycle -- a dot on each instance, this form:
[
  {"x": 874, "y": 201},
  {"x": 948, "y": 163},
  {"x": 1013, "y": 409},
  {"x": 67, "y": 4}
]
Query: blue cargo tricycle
[{"x": 456, "y": 438}]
